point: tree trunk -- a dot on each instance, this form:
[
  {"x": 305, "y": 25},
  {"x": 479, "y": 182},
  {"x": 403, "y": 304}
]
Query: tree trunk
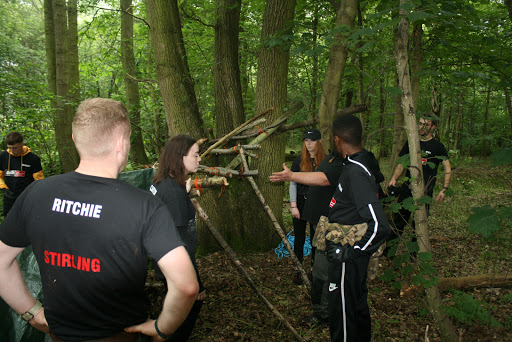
[
  {"x": 509, "y": 103},
  {"x": 417, "y": 59},
  {"x": 382, "y": 107},
  {"x": 314, "y": 66},
  {"x": 346, "y": 14},
  {"x": 271, "y": 91},
  {"x": 459, "y": 120},
  {"x": 229, "y": 108},
  {"x": 486, "y": 122},
  {"x": 137, "y": 153},
  {"x": 398, "y": 131},
  {"x": 63, "y": 79},
  {"x": 176, "y": 84},
  {"x": 49, "y": 31},
  {"x": 444, "y": 325}
]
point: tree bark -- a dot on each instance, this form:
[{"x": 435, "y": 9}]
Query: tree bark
[
  {"x": 137, "y": 154},
  {"x": 486, "y": 123},
  {"x": 459, "y": 120},
  {"x": 229, "y": 109},
  {"x": 271, "y": 91},
  {"x": 346, "y": 14},
  {"x": 416, "y": 61},
  {"x": 444, "y": 325},
  {"x": 509, "y": 103},
  {"x": 462, "y": 283},
  {"x": 176, "y": 84},
  {"x": 64, "y": 103},
  {"x": 398, "y": 131}
]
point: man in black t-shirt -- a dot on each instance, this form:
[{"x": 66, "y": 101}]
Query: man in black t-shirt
[
  {"x": 91, "y": 235},
  {"x": 19, "y": 167},
  {"x": 322, "y": 185},
  {"x": 355, "y": 203},
  {"x": 433, "y": 153}
]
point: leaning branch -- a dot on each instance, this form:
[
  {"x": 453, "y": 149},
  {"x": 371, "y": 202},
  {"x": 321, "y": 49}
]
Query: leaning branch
[
  {"x": 238, "y": 265},
  {"x": 276, "y": 224}
]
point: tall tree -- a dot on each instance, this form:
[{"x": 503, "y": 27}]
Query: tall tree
[
  {"x": 444, "y": 325},
  {"x": 176, "y": 83},
  {"x": 345, "y": 14},
  {"x": 229, "y": 108},
  {"x": 66, "y": 79},
  {"x": 271, "y": 91},
  {"x": 137, "y": 153}
]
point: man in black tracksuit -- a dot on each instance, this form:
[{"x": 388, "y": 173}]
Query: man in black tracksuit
[{"x": 355, "y": 201}]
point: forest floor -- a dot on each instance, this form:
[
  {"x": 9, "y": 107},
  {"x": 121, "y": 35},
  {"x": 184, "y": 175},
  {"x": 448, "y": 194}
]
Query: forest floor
[{"x": 232, "y": 311}]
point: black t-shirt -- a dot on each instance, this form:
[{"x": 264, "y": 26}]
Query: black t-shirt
[
  {"x": 318, "y": 197},
  {"x": 356, "y": 200},
  {"x": 19, "y": 171},
  {"x": 91, "y": 237},
  {"x": 302, "y": 190},
  {"x": 430, "y": 151},
  {"x": 177, "y": 201}
]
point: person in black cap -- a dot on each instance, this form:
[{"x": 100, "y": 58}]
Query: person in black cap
[{"x": 311, "y": 156}]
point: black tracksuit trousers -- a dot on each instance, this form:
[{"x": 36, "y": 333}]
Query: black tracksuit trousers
[{"x": 349, "y": 314}]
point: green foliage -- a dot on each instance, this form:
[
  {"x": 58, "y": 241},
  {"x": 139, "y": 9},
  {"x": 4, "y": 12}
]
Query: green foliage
[
  {"x": 502, "y": 157},
  {"x": 467, "y": 309},
  {"x": 486, "y": 220}
]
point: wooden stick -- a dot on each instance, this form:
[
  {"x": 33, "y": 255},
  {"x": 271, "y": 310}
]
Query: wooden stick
[
  {"x": 462, "y": 283},
  {"x": 279, "y": 230},
  {"x": 222, "y": 171},
  {"x": 208, "y": 182},
  {"x": 235, "y": 131},
  {"x": 238, "y": 265},
  {"x": 236, "y": 161}
]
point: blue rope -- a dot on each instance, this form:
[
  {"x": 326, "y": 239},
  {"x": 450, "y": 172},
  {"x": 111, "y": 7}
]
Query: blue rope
[{"x": 281, "y": 250}]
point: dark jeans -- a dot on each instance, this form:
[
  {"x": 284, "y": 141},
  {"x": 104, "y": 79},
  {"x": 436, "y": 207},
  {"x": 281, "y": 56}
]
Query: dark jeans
[{"x": 299, "y": 228}]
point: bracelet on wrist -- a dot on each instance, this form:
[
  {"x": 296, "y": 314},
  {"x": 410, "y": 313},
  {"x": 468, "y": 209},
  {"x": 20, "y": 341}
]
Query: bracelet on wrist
[
  {"x": 161, "y": 334},
  {"x": 445, "y": 187}
]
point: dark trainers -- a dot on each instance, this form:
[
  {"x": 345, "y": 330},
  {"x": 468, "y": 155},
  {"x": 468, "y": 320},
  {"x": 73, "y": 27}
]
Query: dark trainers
[
  {"x": 313, "y": 320},
  {"x": 297, "y": 279}
]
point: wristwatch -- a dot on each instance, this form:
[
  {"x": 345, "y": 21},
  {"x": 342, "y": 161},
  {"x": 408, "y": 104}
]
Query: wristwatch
[{"x": 27, "y": 316}]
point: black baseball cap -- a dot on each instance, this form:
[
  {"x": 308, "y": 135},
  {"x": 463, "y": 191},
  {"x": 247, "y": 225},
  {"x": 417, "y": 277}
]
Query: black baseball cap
[{"x": 313, "y": 134}]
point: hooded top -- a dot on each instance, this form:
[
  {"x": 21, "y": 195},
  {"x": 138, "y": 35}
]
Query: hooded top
[{"x": 17, "y": 172}]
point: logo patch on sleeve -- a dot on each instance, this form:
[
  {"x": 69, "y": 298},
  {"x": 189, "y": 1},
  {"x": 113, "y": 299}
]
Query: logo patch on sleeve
[{"x": 333, "y": 203}]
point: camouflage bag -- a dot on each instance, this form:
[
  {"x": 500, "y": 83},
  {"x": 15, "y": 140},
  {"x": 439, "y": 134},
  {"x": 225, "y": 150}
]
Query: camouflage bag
[
  {"x": 320, "y": 231},
  {"x": 337, "y": 233},
  {"x": 343, "y": 234}
]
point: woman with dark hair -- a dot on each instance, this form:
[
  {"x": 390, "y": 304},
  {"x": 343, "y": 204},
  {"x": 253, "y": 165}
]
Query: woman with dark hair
[
  {"x": 311, "y": 156},
  {"x": 179, "y": 158}
]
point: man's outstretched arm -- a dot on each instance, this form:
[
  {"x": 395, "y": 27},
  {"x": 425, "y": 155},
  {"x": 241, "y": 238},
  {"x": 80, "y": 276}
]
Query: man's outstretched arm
[{"x": 307, "y": 178}]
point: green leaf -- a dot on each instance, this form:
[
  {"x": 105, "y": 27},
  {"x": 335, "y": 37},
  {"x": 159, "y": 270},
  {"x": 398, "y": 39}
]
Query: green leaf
[
  {"x": 404, "y": 160},
  {"x": 395, "y": 207},
  {"x": 424, "y": 200},
  {"x": 425, "y": 256},
  {"x": 505, "y": 213},
  {"x": 484, "y": 221},
  {"x": 393, "y": 91},
  {"x": 408, "y": 204}
]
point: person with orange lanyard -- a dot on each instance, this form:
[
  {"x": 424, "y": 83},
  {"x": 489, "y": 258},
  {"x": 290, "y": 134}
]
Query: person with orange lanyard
[
  {"x": 18, "y": 168},
  {"x": 311, "y": 156},
  {"x": 180, "y": 158}
]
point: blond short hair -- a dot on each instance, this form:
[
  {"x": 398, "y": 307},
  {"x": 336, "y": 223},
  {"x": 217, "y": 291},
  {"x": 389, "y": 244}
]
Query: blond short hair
[{"x": 95, "y": 122}]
